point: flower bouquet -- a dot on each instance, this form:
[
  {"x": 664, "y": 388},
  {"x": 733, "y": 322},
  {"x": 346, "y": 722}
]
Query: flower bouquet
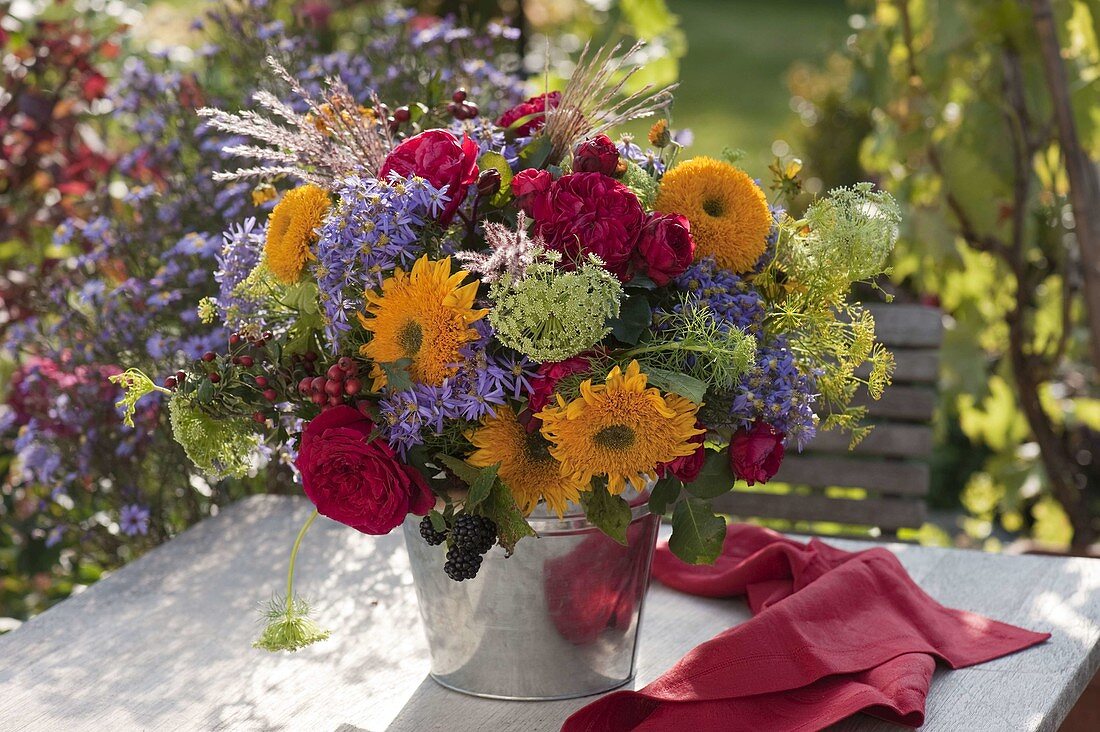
[{"x": 468, "y": 317}]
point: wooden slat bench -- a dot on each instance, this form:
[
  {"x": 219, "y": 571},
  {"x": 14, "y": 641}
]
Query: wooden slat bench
[
  {"x": 164, "y": 642},
  {"x": 889, "y": 466}
]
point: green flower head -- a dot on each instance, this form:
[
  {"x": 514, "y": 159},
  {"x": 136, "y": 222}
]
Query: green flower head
[
  {"x": 550, "y": 315},
  {"x": 845, "y": 237},
  {"x": 219, "y": 447}
]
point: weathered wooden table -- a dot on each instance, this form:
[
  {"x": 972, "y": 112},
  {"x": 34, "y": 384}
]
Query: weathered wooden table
[{"x": 164, "y": 642}]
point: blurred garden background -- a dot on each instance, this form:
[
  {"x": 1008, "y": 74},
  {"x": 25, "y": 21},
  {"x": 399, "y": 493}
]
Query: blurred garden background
[{"x": 108, "y": 211}]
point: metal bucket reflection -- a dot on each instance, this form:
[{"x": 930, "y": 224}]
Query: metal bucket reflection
[{"x": 556, "y": 620}]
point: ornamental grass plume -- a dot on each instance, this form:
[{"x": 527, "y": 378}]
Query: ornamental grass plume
[
  {"x": 294, "y": 144},
  {"x": 551, "y": 315},
  {"x": 510, "y": 253},
  {"x": 221, "y": 447},
  {"x": 588, "y": 106}
]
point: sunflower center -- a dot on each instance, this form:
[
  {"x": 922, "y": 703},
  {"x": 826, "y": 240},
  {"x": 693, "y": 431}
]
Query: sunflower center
[
  {"x": 614, "y": 437},
  {"x": 537, "y": 447},
  {"x": 410, "y": 338},
  {"x": 713, "y": 207}
]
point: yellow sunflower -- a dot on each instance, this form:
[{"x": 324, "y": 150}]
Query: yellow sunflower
[
  {"x": 291, "y": 230},
  {"x": 622, "y": 429},
  {"x": 729, "y": 214},
  {"x": 423, "y": 315},
  {"x": 526, "y": 466}
]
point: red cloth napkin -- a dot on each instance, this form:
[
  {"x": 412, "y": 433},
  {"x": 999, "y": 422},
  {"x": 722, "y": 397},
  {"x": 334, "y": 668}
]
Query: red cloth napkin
[{"x": 833, "y": 633}]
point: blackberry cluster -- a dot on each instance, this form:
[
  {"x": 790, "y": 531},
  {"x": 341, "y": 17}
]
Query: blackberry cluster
[
  {"x": 430, "y": 535},
  {"x": 477, "y": 532},
  {"x": 462, "y": 563},
  {"x": 471, "y": 537}
]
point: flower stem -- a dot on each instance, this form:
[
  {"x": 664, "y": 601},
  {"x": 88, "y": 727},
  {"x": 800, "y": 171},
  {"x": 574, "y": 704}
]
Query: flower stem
[{"x": 294, "y": 558}]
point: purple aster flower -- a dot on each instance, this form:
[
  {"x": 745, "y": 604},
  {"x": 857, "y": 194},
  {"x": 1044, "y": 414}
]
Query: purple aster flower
[{"x": 134, "y": 519}]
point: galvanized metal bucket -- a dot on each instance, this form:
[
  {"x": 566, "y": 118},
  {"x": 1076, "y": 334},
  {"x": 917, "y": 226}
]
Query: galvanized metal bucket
[{"x": 556, "y": 620}]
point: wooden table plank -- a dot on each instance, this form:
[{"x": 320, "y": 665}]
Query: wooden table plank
[{"x": 164, "y": 642}]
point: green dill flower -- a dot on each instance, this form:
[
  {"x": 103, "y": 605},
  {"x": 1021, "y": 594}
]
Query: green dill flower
[
  {"x": 254, "y": 299},
  {"x": 693, "y": 342},
  {"x": 288, "y": 626},
  {"x": 135, "y": 385},
  {"x": 845, "y": 237},
  {"x": 551, "y": 315},
  {"x": 219, "y": 447},
  {"x": 208, "y": 310},
  {"x": 640, "y": 183}
]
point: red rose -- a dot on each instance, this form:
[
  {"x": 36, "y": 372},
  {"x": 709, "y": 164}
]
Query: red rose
[
  {"x": 598, "y": 155},
  {"x": 535, "y": 108},
  {"x": 549, "y": 374},
  {"x": 528, "y": 186},
  {"x": 755, "y": 454},
  {"x": 438, "y": 157},
  {"x": 686, "y": 467},
  {"x": 354, "y": 481},
  {"x": 591, "y": 213},
  {"x": 665, "y": 247}
]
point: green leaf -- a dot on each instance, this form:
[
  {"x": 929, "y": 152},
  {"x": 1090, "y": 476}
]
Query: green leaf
[
  {"x": 610, "y": 513},
  {"x": 665, "y": 492},
  {"x": 438, "y": 522},
  {"x": 397, "y": 373},
  {"x": 206, "y": 391},
  {"x": 697, "y": 534},
  {"x": 715, "y": 478},
  {"x": 482, "y": 486},
  {"x": 641, "y": 282},
  {"x": 467, "y": 473},
  {"x": 535, "y": 153},
  {"x": 686, "y": 386},
  {"x": 501, "y": 507},
  {"x": 634, "y": 317}
]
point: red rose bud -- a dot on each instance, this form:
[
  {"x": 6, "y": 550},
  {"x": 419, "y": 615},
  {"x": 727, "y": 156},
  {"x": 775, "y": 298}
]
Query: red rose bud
[
  {"x": 686, "y": 468},
  {"x": 356, "y": 480},
  {"x": 261, "y": 381},
  {"x": 597, "y": 155},
  {"x": 246, "y": 361},
  {"x": 270, "y": 395},
  {"x": 589, "y": 213},
  {"x": 488, "y": 183},
  {"x": 665, "y": 247},
  {"x": 549, "y": 374},
  {"x": 532, "y": 113},
  {"x": 529, "y": 186},
  {"x": 438, "y": 157},
  {"x": 755, "y": 454}
]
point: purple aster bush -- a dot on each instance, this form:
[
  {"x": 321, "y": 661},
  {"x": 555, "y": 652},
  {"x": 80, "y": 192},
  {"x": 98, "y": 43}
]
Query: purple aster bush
[{"x": 133, "y": 268}]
